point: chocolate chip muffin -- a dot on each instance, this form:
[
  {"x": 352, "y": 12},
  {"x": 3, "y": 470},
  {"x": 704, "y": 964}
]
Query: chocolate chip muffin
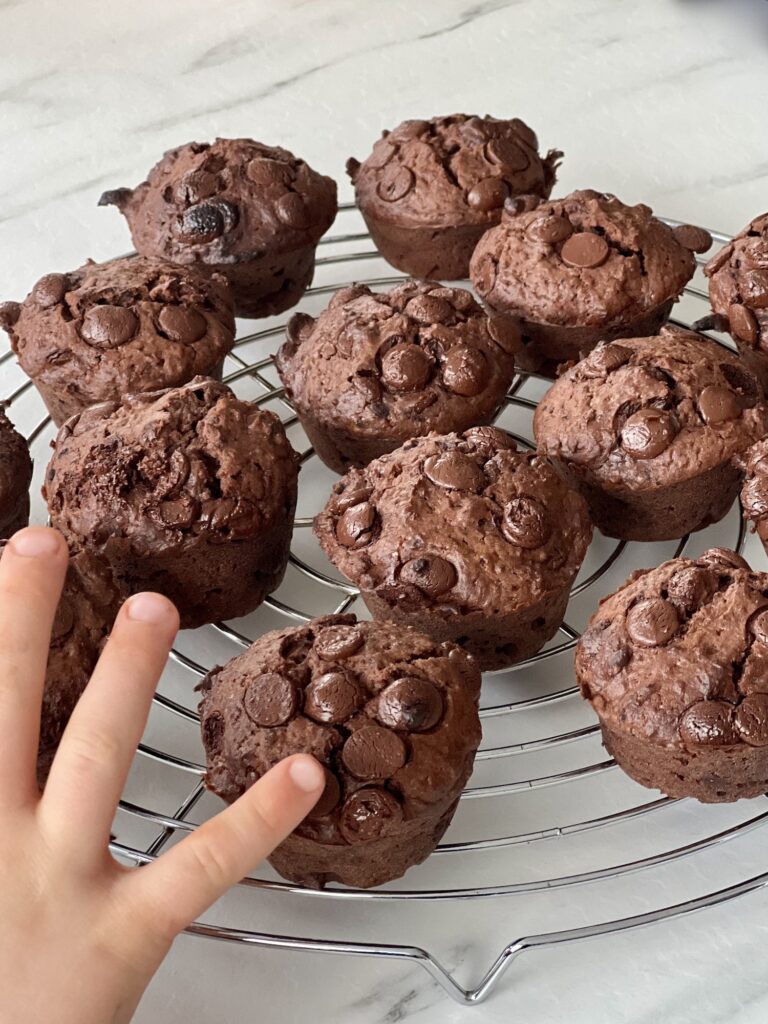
[
  {"x": 376, "y": 369},
  {"x": 462, "y": 537},
  {"x": 572, "y": 272},
  {"x": 110, "y": 329},
  {"x": 391, "y": 714},
  {"x": 648, "y": 430},
  {"x": 430, "y": 189},
  {"x": 754, "y": 493},
  {"x": 189, "y": 492},
  {"x": 675, "y": 664},
  {"x": 15, "y": 478},
  {"x": 87, "y": 609},
  {"x": 252, "y": 212},
  {"x": 738, "y": 291}
]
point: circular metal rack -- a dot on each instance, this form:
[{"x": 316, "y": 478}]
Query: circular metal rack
[{"x": 542, "y": 782}]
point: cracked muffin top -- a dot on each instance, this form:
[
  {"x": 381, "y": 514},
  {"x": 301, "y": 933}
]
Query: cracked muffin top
[
  {"x": 648, "y": 412},
  {"x": 420, "y": 357},
  {"x": 679, "y": 654},
  {"x": 587, "y": 259},
  {"x": 738, "y": 283},
  {"x": 456, "y": 169},
  {"x": 132, "y": 324},
  {"x": 390, "y": 713},
  {"x": 225, "y": 202},
  {"x": 461, "y": 521}
]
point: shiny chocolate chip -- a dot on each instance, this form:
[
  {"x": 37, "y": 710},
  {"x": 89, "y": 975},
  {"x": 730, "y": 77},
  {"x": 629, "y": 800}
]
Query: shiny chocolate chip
[
  {"x": 550, "y": 230},
  {"x": 369, "y": 813},
  {"x": 605, "y": 359},
  {"x": 743, "y": 323},
  {"x": 508, "y": 153},
  {"x": 50, "y": 290},
  {"x": 206, "y": 222},
  {"x": 270, "y": 700},
  {"x": 263, "y": 171},
  {"x": 465, "y": 371},
  {"x": 433, "y": 575},
  {"x": 691, "y": 587},
  {"x": 525, "y": 522},
  {"x": 395, "y": 184},
  {"x": 108, "y": 326},
  {"x": 653, "y": 622},
  {"x": 693, "y": 238},
  {"x": 373, "y": 752},
  {"x": 335, "y": 643},
  {"x": 292, "y": 211},
  {"x": 585, "y": 250},
  {"x": 354, "y": 527},
  {"x": 488, "y": 194},
  {"x": 454, "y": 470},
  {"x": 752, "y": 719},
  {"x": 332, "y": 698},
  {"x": 179, "y": 323},
  {"x": 410, "y": 703},
  {"x": 718, "y": 405},
  {"x": 648, "y": 432},
  {"x": 406, "y": 367},
  {"x": 429, "y": 309},
  {"x": 723, "y": 558},
  {"x": 709, "y": 723}
]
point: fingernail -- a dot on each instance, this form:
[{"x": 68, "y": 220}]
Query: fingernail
[
  {"x": 147, "y": 608},
  {"x": 306, "y": 774},
  {"x": 35, "y": 541}
]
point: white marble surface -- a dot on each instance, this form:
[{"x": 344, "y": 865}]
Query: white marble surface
[{"x": 661, "y": 101}]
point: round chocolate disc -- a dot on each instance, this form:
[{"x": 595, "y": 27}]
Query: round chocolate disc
[
  {"x": 708, "y": 722},
  {"x": 108, "y": 326},
  {"x": 292, "y": 211},
  {"x": 723, "y": 558},
  {"x": 431, "y": 574},
  {"x": 335, "y": 643},
  {"x": 332, "y": 698},
  {"x": 653, "y": 622},
  {"x": 396, "y": 182},
  {"x": 718, "y": 405},
  {"x": 406, "y": 367},
  {"x": 585, "y": 250},
  {"x": 329, "y": 798},
  {"x": 550, "y": 230},
  {"x": 263, "y": 171},
  {"x": 410, "y": 703},
  {"x": 465, "y": 371},
  {"x": 488, "y": 194},
  {"x": 525, "y": 522},
  {"x": 691, "y": 587},
  {"x": 605, "y": 359},
  {"x": 182, "y": 324},
  {"x": 373, "y": 752},
  {"x": 50, "y": 290},
  {"x": 429, "y": 309},
  {"x": 454, "y": 470},
  {"x": 648, "y": 432},
  {"x": 743, "y": 323},
  {"x": 752, "y": 719},
  {"x": 354, "y": 528},
  {"x": 370, "y": 813},
  {"x": 270, "y": 700},
  {"x": 693, "y": 238}
]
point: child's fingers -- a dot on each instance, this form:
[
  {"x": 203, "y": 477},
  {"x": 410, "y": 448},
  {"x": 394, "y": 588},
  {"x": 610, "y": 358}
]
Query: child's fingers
[
  {"x": 32, "y": 571},
  {"x": 190, "y": 877},
  {"x": 98, "y": 745}
]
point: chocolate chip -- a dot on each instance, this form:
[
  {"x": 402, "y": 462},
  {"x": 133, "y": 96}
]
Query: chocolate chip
[
  {"x": 691, "y": 587},
  {"x": 263, "y": 171},
  {"x": 508, "y": 153},
  {"x": 50, "y": 290},
  {"x": 9, "y": 314},
  {"x": 505, "y": 331},
  {"x": 182, "y": 324},
  {"x": 550, "y": 229},
  {"x": 292, "y": 211},
  {"x": 754, "y": 497},
  {"x": 454, "y": 470},
  {"x": 648, "y": 433},
  {"x": 335, "y": 643},
  {"x": 373, "y": 752},
  {"x": 406, "y": 367},
  {"x": 179, "y": 513},
  {"x": 329, "y": 798},
  {"x": 488, "y": 194},
  {"x": 490, "y": 440},
  {"x": 64, "y": 621},
  {"x": 396, "y": 182},
  {"x": 585, "y": 250},
  {"x": 605, "y": 359},
  {"x": 332, "y": 698},
  {"x": 718, "y": 405},
  {"x": 743, "y": 323},
  {"x": 270, "y": 700},
  {"x": 516, "y": 205},
  {"x": 354, "y": 528},
  {"x": 431, "y": 574},
  {"x": 752, "y": 719},
  {"x": 348, "y": 496},
  {"x": 429, "y": 309},
  {"x": 484, "y": 275},
  {"x": 196, "y": 186},
  {"x": 525, "y": 522},
  {"x": 758, "y": 626},
  {"x": 723, "y": 558},
  {"x": 410, "y": 703},
  {"x": 206, "y": 222},
  {"x": 465, "y": 371},
  {"x": 693, "y": 238},
  {"x": 653, "y": 622},
  {"x": 108, "y": 326},
  {"x": 370, "y": 813},
  {"x": 708, "y": 723},
  {"x": 743, "y": 383}
]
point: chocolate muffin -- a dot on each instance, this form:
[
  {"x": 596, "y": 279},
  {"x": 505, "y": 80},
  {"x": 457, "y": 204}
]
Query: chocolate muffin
[
  {"x": 110, "y": 329},
  {"x": 675, "y": 664},
  {"x": 572, "y": 272},
  {"x": 648, "y": 430},
  {"x": 87, "y": 609},
  {"x": 376, "y": 369},
  {"x": 430, "y": 189},
  {"x": 252, "y": 212},
  {"x": 754, "y": 493},
  {"x": 391, "y": 714},
  {"x": 189, "y": 492},
  {"x": 738, "y": 291},
  {"x": 463, "y": 537},
  {"x": 15, "y": 478}
]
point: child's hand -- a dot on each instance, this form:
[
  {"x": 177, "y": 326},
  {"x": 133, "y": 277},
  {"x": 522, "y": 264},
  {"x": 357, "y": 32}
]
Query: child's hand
[{"x": 81, "y": 936}]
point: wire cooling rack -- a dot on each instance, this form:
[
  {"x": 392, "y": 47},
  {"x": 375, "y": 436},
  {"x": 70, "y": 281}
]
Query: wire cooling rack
[{"x": 548, "y": 835}]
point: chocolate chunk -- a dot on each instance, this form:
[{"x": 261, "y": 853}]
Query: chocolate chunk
[
  {"x": 270, "y": 700},
  {"x": 50, "y": 290},
  {"x": 693, "y": 238},
  {"x": 373, "y": 752},
  {"x": 718, "y": 405},
  {"x": 195, "y": 186},
  {"x": 406, "y": 367},
  {"x": 108, "y": 326},
  {"x": 508, "y": 153},
  {"x": 648, "y": 433},
  {"x": 708, "y": 723},
  {"x": 370, "y": 813},
  {"x": 723, "y": 558},
  {"x": 429, "y": 309},
  {"x": 179, "y": 323},
  {"x": 521, "y": 129},
  {"x": 396, "y": 182},
  {"x": 653, "y": 622},
  {"x": 410, "y": 703},
  {"x": 329, "y": 798},
  {"x": 550, "y": 229},
  {"x": 465, "y": 371},
  {"x": 488, "y": 194},
  {"x": 179, "y": 513},
  {"x": 332, "y": 698},
  {"x": 605, "y": 359},
  {"x": 354, "y": 528},
  {"x": 335, "y": 643},
  {"x": 585, "y": 250},
  {"x": 433, "y": 575},
  {"x": 691, "y": 587},
  {"x": 292, "y": 211},
  {"x": 525, "y": 522},
  {"x": 453, "y": 469},
  {"x": 752, "y": 719},
  {"x": 743, "y": 323}
]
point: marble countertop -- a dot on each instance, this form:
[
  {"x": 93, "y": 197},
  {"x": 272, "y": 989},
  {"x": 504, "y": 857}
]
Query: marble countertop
[{"x": 661, "y": 102}]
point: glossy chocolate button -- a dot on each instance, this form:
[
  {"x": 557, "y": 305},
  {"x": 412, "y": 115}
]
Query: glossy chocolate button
[
  {"x": 525, "y": 522},
  {"x": 691, "y": 587},
  {"x": 108, "y": 326},
  {"x": 395, "y": 184},
  {"x": 292, "y": 211},
  {"x": 429, "y": 309},
  {"x": 465, "y": 371},
  {"x": 373, "y": 752},
  {"x": 370, "y": 813},
  {"x": 406, "y": 367},
  {"x": 335, "y": 643},
  {"x": 410, "y": 703},
  {"x": 50, "y": 290},
  {"x": 585, "y": 250},
  {"x": 693, "y": 238},
  {"x": 182, "y": 324},
  {"x": 752, "y": 719},
  {"x": 433, "y": 575},
  {"x": 605, "y": 359},
  {"x": 723, "y": 558},
  {"x": 653, "y": 622},
  {"x": 508, "y": 153},
  {"x": 354, "y": 528},
  {"x": 263, "y": 171},
  {"x": 718, "y": 405},
  {"x": 708, "y": 723},
  {"x": 550, "y": 230},
  {"x": 332, "y": 698},
  {"x": 488, "y": 194},
  {"x": 648, "y": 433},
  {"x": 270, "y": 700},
  {"x": 743, "y": 323},
  {"x": 454, "y": 470}
]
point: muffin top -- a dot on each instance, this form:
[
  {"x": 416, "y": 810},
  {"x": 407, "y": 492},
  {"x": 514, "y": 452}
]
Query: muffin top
[
  {"x": 170, "y": 468},
  {"x": 679, "y": 654},
  {"x": 647, "y": 412},
  {"x": 460, "y": 522},
  {"x": 738, "y": 283},
  {"x": 390, "y": 713},
  {"x": 451, "y": 170},
  {"x": 586, "y": 260},
  {"x": 15, "y": 471},
  {"x": 420, "y": 357},
  {"x": 132, "y": 324},
  {"x": 754, "y": 494},
  {"x": 226, "y": 202}
]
